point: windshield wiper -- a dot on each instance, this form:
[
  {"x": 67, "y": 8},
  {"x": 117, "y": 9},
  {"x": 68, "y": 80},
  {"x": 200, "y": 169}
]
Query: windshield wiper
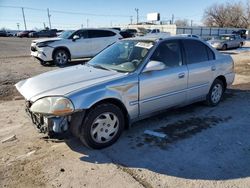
[{"x": 100, "y": 67}]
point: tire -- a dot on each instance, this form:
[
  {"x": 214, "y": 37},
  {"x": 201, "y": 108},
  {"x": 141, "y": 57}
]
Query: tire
[
  {"x": 102, "y": 126},
  {"x": 61, "y": 57},
  {"x": 43, "y": 63},
  {"x": 224, "y": 47},
  {"x": 215, "y": 93}
]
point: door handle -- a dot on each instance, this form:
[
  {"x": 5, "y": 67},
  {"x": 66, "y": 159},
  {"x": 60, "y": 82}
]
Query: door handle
[
  {"x": 213, "y": 68},
  {"x": 181, "y": 75}
]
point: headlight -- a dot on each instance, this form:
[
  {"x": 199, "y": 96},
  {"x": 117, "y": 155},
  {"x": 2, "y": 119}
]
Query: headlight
[
  {"x": 53, "y": 105},
  {"x": 43, "y": 44}
]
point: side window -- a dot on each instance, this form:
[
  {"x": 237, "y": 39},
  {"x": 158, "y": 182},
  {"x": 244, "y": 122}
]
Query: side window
[
  {"x": 100, "y": 33},
  {"x": 196, "y": 51},
  {"x": 210, "y": 54},
  {"x": 81, "y": 34},
  {"x": 169, "y": 53}
]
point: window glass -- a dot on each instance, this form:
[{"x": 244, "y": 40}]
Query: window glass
[
  {"x": 169, "y": 53},
  {"x": 196, "y": 51},
  {"x": 100, "y": 33},
  {"x": 210, "y": 54},
  {"x": 80, "y": 33}
]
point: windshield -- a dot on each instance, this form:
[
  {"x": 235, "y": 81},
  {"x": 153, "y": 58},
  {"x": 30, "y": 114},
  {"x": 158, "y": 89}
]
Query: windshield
[
  {"x": 123, "y": 56},
  {"x": 66, "y": 34}
]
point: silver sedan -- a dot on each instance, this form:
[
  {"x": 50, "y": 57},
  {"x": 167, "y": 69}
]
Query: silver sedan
[
  {"x": 128, "y": 81},
  {"x": 226, "y": 41}
]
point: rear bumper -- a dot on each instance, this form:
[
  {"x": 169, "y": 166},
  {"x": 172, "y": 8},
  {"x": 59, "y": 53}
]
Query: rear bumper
[{"x": 230, "y": 78}]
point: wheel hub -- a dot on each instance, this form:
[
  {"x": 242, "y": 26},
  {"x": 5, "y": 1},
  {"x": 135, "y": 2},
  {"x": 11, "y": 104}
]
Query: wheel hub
[
  {"x": 104, "y": 127},
  {"x": 216, "y": 93}
]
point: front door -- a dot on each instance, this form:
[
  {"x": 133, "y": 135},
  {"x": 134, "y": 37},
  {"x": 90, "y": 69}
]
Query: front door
[
  {"x": 80, "y": 47},
  {"x": 165, "y": 88}
]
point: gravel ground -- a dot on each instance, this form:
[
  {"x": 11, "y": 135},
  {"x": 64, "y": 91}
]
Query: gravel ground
[{"x": 204, "y": 147}]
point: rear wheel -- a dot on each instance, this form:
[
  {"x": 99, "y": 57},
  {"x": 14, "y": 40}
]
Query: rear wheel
[
  {"x": 102, "y": 126},
  {"x": 215, "y": 93},
  {"x": 61, "y": 57}
]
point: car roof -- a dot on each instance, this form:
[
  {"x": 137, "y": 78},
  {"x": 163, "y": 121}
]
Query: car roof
[
  {"x": 101, "y": 29},
  {"x": 154, "y": 39}
]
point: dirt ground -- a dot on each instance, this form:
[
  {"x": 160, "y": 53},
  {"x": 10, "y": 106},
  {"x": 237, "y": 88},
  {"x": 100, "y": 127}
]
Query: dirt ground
[{"x": 205, "y": 147}]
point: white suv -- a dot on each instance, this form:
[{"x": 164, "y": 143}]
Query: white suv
[{"x": 73, "y": 44}]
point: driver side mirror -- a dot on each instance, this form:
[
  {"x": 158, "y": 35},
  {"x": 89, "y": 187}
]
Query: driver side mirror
[
  {"x": 75, "y": 37},
  {"x": 154, "y": 66}
]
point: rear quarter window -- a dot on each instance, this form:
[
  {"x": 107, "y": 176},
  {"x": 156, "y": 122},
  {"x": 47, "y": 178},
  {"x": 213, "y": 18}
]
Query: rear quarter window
[
  {"x": 196, "y": 51},
  {"x": 100, "y": 33}
]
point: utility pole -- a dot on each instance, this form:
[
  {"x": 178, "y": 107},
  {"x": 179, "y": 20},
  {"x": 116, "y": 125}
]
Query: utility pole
[
  {"x": 82, "y": 26},
  {"x": 24, "y": 19},
  {"x": 49, "y": 15},
  {"x": 172, "y": 20},
  {"x": 137, "y": 15},
  {"x": 18, "y": 25},
  {"x": 44, "y": 25},
  {"x": 191, "y": 24},
  {"x": 131, "y": 20},
  {"x": 87, "y": 23}
]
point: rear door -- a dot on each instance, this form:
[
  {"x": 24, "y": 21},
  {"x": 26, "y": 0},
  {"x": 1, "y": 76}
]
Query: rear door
[
  {"x": 200, "y": 61},
  {"x": 100, "y": 39},
  {"x": 165, "y": 88}
]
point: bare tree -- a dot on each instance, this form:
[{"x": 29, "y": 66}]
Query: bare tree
[
  {"x": 227, "y": 15},
  {"x": 181, "y": 23}
]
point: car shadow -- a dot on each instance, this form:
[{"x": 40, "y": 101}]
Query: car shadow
[
  {"x": 202, "y": 143},
  {"x": 234, "y": 51},
  {"x": 69, "y": 64}
]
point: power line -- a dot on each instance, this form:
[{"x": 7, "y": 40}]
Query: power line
[{"x": 68, "y": 12}]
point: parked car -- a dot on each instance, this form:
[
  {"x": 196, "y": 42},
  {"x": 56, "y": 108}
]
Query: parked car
[
  {"x": 243, "y": 33},
  {"x": 130, "y": 80},
  {"x": 154, "y": 31},
  {"x": 226, "y": 41},
  {"x": 44, "y": 33},
  {"x": 126, "y": 34},
  {"x": 3, "y": 33},
  {"x": 73, "y": 44},
  {"x": 24, "y": 33},
  {"x": 132, "y": 32},
  {"x": 190, "y": 35}
]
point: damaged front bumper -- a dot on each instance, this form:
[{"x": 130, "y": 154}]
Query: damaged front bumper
[
  {"x": 48, "y": 124},
  {"x": 56, "y": 124}
]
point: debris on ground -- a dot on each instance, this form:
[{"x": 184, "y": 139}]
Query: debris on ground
[{"x": 9, "y": 139}]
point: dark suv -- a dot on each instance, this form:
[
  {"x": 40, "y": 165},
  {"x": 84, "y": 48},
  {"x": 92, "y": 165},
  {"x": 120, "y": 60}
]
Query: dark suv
[
  {"x": 242, "y": 32},
  {"x": 44, "y": 33}
]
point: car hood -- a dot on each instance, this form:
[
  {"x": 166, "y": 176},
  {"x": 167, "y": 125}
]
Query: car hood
[
  {"x": 64, "y": 81},
  {"x": 46, "y": 40}
]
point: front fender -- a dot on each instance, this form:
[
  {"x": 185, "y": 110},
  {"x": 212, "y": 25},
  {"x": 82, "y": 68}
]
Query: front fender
[{"x": 125, "y": 91}]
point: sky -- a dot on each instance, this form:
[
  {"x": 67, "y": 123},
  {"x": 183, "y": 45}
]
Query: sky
[{"x": 74, "y": 14}]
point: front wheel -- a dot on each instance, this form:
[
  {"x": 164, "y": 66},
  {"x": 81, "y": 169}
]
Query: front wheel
[
  {"x": 102, "y": 126},
  {"x": 215, "y": 93},
  {"x": 224, "y": 47},
  {"x": 61, "y": 57}
]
